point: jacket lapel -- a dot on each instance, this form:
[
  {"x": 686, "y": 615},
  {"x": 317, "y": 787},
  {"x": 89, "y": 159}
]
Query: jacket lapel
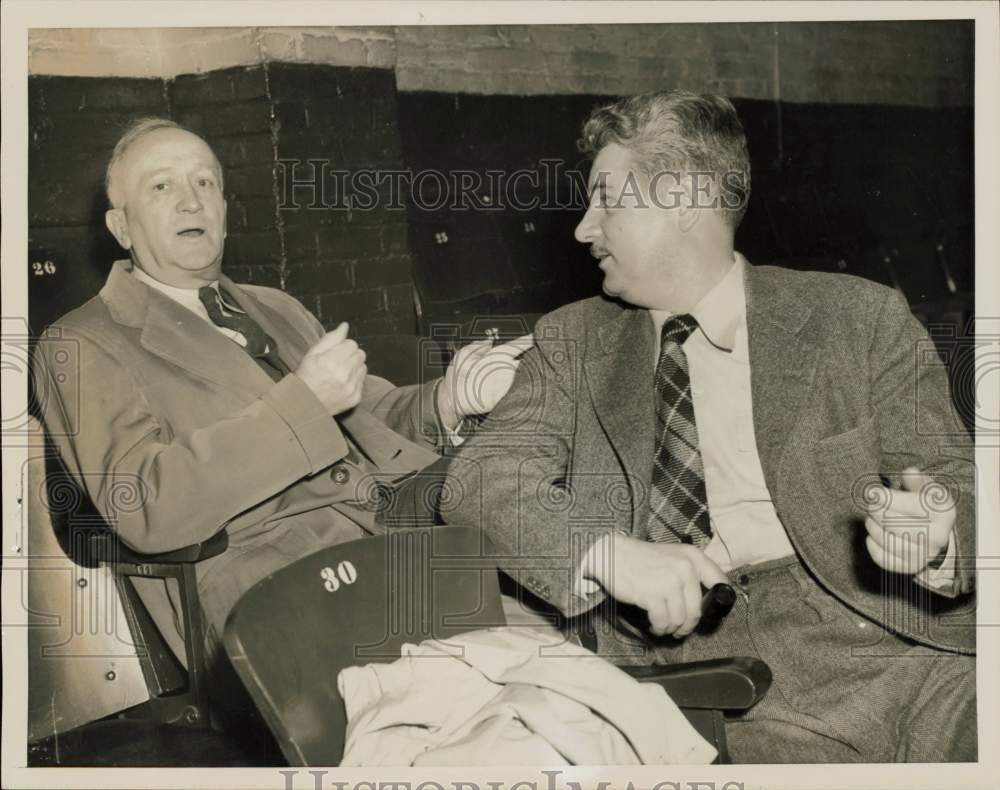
[
  {"x": 782, "y": 368},
  {"x": 619, "y": 373}
]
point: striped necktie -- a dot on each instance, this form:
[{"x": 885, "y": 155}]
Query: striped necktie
[
  {"x": 678, "y": 503},
  {"x": 222, "y": 309}
]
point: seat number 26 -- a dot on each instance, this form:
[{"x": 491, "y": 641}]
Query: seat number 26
[{"x": 346, "y": 573}]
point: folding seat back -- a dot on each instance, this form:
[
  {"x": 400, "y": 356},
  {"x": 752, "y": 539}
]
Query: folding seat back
[
  {"x": 355, "y": 603},
  {"x": 82, "y": 663}
]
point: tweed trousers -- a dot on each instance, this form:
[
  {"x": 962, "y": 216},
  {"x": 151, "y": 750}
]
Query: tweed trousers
[{"x": 845, "y": 689}]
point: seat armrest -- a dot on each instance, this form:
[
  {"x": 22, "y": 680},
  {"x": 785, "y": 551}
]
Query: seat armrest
[
  {"x": 107, "y": 548},
  {"x": 722, "y": 683},
  {"x": 190, "y": 707}
]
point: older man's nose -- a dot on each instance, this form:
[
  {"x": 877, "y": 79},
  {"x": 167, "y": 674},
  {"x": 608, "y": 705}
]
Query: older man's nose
[{"x": 189, "y": 200}]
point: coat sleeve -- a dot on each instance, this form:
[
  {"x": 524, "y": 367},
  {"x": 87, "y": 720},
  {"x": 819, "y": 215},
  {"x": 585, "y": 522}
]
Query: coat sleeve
[
  {"x": 919, "y": 426},
  {"x": 162, "y": 491},
  {"x": 409, "y": 410},
  {"x": 510, "y": 478}
]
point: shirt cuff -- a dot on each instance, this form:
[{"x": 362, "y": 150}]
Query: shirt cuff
[
  {"x": 454, "y": 435},
  {"x": 941, "y": 578},
  {"x": 583, "y": 586}
]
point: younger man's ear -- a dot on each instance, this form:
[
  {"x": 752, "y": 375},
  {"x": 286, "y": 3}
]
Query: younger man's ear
[
  {"x": 692, "y": 203},
  {"x": 114, "y": 218}
]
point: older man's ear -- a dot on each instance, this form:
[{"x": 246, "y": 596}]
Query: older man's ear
[{"x": 114, "y": 218}]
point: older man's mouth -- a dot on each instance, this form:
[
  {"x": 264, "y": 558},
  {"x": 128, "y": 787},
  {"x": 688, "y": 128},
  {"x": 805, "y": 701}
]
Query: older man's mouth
[{"x": 191, "y": 233}]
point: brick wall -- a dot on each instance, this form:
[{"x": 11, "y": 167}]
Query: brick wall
[
  {"x": 920, "y": 63},
  {"x": 342, "y": 265},
  {"x": 345, "y": 265}
]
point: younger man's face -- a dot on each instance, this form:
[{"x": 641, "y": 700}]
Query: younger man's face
[{"x": 631, "y": 234}]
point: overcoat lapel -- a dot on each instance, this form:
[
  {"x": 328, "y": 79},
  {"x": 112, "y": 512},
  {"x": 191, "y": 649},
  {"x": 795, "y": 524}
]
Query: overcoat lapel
[
  {"x": 174, "y": 333},
  {"x": 619, "y": 373},
  {"x": 782, "y": 368}
]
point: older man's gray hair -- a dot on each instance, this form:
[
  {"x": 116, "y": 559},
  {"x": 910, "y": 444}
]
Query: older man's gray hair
[{"x": 134, "y": 132}]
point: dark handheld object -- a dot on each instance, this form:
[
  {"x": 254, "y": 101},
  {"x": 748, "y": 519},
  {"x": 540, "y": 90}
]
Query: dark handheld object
[{"x": 715, "y": 605}]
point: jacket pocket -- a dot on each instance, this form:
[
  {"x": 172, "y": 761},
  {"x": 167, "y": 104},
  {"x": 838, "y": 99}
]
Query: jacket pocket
[
  {"x": 849, "y": 464},
  {"x": 863, "y": 434}
]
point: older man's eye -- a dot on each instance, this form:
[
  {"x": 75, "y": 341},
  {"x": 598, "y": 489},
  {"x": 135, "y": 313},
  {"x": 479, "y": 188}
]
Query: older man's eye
[{"x": 160, "y": 186}]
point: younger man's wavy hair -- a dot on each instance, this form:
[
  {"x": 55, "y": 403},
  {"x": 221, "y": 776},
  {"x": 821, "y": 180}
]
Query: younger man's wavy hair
[{"x": 679, "y": 131}]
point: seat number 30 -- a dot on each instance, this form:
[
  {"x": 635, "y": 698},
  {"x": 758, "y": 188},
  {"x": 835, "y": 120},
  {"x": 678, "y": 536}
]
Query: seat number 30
[{"x": 346, "y": 573}]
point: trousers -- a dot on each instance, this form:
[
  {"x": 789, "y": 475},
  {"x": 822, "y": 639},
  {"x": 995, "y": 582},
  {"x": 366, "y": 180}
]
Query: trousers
[{"x": 844, "y": 688}]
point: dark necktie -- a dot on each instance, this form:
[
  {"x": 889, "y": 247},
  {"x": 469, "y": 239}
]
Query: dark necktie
[
  {"x": 678, "y": 504},
  {"x": 223, "y": 311}
]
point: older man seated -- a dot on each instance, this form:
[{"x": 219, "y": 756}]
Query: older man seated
[{"x": 196, "y": 404}]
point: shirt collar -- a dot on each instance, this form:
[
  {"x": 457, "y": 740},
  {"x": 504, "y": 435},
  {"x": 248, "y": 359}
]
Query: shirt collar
[
  {"x": 721, "y": 310},
  {"x": 187, "y": 297}
]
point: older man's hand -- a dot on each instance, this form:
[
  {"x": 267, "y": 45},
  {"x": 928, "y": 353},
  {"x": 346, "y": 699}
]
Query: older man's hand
[
  {"x": 334, "y": 369},
  {"x": 910, "y": 527},
  {"x": 478, "y": 377}
]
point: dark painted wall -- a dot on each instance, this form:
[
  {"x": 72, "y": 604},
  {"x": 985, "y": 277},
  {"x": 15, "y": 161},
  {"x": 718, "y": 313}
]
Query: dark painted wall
[{"x": 838, "y": 187}]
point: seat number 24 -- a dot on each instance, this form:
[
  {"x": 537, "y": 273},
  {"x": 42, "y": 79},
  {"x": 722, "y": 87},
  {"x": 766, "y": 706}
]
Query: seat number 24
[{"x": 346, "y": 573}]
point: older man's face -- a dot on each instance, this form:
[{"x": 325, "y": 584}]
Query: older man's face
[{"x": 170, "y": 212}]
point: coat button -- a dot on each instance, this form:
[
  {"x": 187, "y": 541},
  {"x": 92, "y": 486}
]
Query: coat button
[
  {"x": 744, "y": 579},
  {"x": 341, "y": 475}
]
